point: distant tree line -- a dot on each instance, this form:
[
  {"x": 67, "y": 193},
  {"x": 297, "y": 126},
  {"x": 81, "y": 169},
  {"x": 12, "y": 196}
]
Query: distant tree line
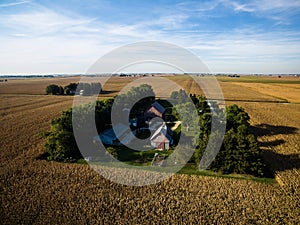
[{"x": 74, "y": 88}]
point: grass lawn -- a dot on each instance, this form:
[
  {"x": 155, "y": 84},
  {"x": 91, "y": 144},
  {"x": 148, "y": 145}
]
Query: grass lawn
[
  {"x": 191, "y": 169},
  {"x": 142, "y": 160}
]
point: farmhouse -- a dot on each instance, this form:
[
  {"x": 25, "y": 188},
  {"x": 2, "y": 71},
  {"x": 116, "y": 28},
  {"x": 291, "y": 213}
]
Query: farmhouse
[
  {"x": 162, "y": 138},
  {"x": 162, "y": 135}
]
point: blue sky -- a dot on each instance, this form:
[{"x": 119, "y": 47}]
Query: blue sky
[{"x": 235, "y": 36}]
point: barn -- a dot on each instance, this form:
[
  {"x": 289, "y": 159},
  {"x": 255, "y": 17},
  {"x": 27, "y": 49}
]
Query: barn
[{"x": 155, "y": 110}]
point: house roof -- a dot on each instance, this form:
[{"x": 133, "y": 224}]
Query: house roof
[
  {"x": 120, "y": 131},
  {"x": 159, "y": 107},
  {"x": 163, "y": 129},
  {"x": 162, "y": 138}
]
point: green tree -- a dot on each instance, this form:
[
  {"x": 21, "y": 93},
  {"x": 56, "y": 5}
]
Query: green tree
[
  {"x": 53, "y": 89},
  {"x": 60, "y": 141},
  {"x": 179, "y": 96},
  {"x": 89, "y": 88},
  {"x": 239, "y": 153},
  {"x": 143, "y": 95},
  {"x": 70, "y": 89},
  {"x": 61, "y": 90},
  {"x": 236, "y": 116},
  {"x": 103, "y": 113},
  {"x": 187, "y": 115}
]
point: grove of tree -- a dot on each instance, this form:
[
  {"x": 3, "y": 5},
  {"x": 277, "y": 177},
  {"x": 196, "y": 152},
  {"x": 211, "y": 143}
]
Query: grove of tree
[
  {"x": 74, "y": 88},
  {"x": 239, "y": 152}
]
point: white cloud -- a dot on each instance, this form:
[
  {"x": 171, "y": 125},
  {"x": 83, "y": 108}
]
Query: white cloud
[
  {"x": 170, "y": 21},
  {"x": 4, "y": 5},
  {"x": 48, "y": 55},
  {"x": 272, "y": 6},
  {"x": 278, "y": 5},
  {"x": 238, "y": 6},
  {"x": 278, "y": 10},
  {"x": 271, "y": 44},
  {"x": 41, "y": 22},
  {"x": 47, "y": 41}
]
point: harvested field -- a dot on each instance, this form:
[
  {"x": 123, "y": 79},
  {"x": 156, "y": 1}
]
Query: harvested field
[
  {"x": 247, "y": 89},
  {"x": 287, "y": 92},
  {"x": 37, "y": 86},
  {"x": 39, "y": 192},
  {"x": 33, "y": 86},
  {"x": 278, "y": 128},
  {"x": 23, "y": 118}
]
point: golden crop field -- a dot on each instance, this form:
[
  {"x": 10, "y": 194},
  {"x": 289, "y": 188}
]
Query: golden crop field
[
  {"x": 33, "y": 86},
  {"x": 36, "y": 191},
  {"x": 289, "y": 92}
]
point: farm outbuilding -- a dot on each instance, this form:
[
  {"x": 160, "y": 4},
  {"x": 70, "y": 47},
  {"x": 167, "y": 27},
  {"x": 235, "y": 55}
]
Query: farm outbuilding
[{"x": 109, "y": 136}]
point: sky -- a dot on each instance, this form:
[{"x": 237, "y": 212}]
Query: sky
[{"x": 229, "y": 36}]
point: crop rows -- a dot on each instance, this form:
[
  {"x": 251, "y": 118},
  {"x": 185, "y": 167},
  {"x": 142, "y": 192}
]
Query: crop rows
[
  {"x": 35, "y": 191},
  {"x": 42, "y": 193},
  {"x": 279, "y": 129}
]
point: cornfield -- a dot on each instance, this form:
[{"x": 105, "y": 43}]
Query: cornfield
[{"x": 35, "y": 191}]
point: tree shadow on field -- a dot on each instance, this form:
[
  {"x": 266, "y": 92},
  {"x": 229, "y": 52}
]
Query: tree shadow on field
[
  {"x": 275, "y": 161},
  {"x": 271, "y": 143},
  {"x": 106, "y": 92},
  {"x": 269, "y": 130},
  {"x": 280, "y": 162}
]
